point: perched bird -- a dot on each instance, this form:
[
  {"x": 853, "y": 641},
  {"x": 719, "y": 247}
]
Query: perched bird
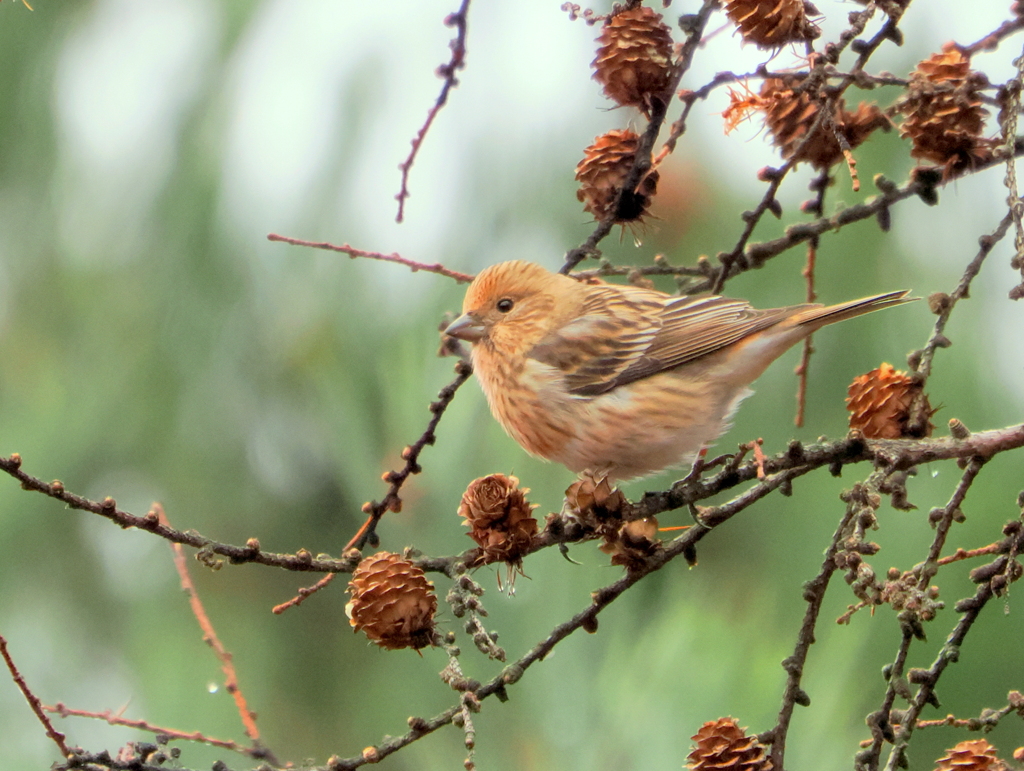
[{"x": 619, "y": 380}]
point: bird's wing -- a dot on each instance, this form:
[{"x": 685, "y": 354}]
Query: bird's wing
[
  {"x": 624, "y": 336},
  {"x": 612, "y": 332}
]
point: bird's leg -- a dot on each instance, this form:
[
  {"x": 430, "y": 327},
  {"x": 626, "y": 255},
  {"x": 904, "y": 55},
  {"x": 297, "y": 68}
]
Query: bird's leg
[{"x": 696, "y": 469}]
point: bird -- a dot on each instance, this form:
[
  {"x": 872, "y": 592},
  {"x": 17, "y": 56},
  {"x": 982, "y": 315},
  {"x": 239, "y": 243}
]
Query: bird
[{"x": 620, "y": 381}]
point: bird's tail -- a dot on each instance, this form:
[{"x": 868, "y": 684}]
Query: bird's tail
[{"x": 820, "y": 316}]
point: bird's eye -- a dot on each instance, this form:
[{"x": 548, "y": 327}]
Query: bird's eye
[{"x": 505, "y": 304}]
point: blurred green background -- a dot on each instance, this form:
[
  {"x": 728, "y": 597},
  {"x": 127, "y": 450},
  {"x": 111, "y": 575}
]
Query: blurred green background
[{"x": 155, "y": 347}]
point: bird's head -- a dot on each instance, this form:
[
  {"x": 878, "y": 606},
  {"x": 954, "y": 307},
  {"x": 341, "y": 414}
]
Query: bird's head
[{"x": 513, "y": 305}]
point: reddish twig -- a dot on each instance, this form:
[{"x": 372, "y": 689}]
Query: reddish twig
[
  {"x": 808, "y": 347},
  {"x": 351, "y": 251},
  {"x": 142, "y": 725},
  {"x": 210, "y": 637},
  {"x": 446, "y": 71},
  {"x": 759, "y": 456},
  {"x": 988, "y": 720},
  {"x": 303, "y": 593},
  {"x": 815, "y": 206},
  {"x": 966, "y": 554},
  {"x": 33, "y": 700}
]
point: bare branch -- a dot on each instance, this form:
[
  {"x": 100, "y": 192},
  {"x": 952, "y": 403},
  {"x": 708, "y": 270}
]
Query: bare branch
[
  {"x": 447, "y": 71},
  {"x": 247, "y": 716},
  {"x": 144, "y": 725},
  {"x": 32, "y": 699},
  {"x": 351, "y": 251}
]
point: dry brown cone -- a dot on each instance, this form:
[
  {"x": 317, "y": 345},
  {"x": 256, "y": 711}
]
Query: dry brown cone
[
  {"x": 631, "y": 543},
  {"x": 721, "y": 745},
  {"x": 880, "y": 405},
  {"x": 944, "y": 116},
  {"x": 499, "y": 517},
  {"x": 634, "y": 58},
  {"x": 602, "y": 172},
  {"x": 974, "y": 755},
  {"x": 594, "y": 496},
  {"x": 392, "y": 602},
  {"x": 773, "y": 23},
  {"x": 789, "y": 116}
]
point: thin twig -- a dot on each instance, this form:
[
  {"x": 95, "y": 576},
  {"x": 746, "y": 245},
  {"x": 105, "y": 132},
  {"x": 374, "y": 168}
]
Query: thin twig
[
  {"x": 448, "y": 72},
  {"x": 813, "y": 81},
  {"x": 881, "y": 729},
  {"x": 992, "y": 40},
  {"x": 922, "y": 360},
  {"x": 301, "y": 561},
  {"x": 33, "y": 700},
  {"x": 814, "y": 595},
  {"x": 988, "y": 720},
  {"x": 247, "y": 716},
  {"x": 392, "y": 501},
  {"x": 1008, "y": 113},
  {"x": 303, "y": 593},
  {"x": 945, "y": 520},
  {"x": 815, "y": 206},
  {"x": 351, "y": 251},
  {"x": 966, "y": 554},
  {"x": 144, "y": 725}
]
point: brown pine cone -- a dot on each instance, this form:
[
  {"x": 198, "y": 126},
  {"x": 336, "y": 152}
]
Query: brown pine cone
[
  {"x": 944, "y": 116},
  {"x": 773, "y": 23},
  {"x": 789, "y": 115},
  {"x": 721, "y": 745},
  {"x": 499, "y": 517},
  {"x": 631, "y": 543},
  {"x": 974, "y": 755},
  {"x": 392, "y": 602},
  {"x": 634, "y": 58},
  {"x": 880, "y": 402},
  {"x": 602, "y": 172},
  {"x": 591, "y": 495}
]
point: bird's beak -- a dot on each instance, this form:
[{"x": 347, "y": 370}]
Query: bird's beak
[{"x": 466, "y": 327}]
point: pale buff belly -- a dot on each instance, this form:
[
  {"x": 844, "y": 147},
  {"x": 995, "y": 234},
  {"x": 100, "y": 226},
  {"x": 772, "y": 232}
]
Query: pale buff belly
[{"x": 635, "y": 430}]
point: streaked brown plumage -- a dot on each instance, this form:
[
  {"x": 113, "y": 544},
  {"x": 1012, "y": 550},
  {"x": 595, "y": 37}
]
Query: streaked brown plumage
[{"x": 620, "y": 380}]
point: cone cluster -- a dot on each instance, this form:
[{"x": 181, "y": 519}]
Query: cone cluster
[
  {"x": 602, "y": 174},
  {"x": 499, "y": 518},
  {"x": 392, "y": 602},
  {"x": 594, "y": 496},
  {"x": 790, "y": 114},
  {"x": 880, "y": 402},
  {"x": 974, "y": 755},
  {"x": 631, "y": 543},
  {"x": 944, "y": 116},
  {"x": 773, "y": 23},
  {"x": 634, "y": 65},
  {"x": 634, "y": 58},
  {"x": 721, "y": 745}
]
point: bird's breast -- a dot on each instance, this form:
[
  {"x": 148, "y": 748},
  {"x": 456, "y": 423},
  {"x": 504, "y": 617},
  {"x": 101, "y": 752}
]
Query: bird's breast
[{"x": 529, "y": 399}]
